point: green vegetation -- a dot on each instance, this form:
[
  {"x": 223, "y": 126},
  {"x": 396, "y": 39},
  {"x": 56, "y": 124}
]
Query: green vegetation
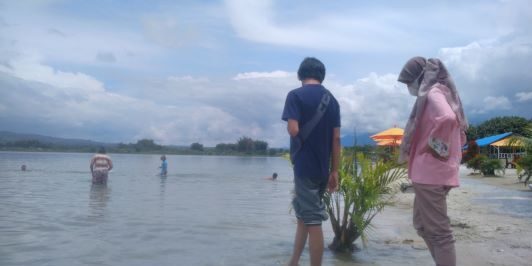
[
  {"x": 524, "y": 164},
  {"x": 475, "y": 162},
  {"x": 485, "y": 165},
  {"x": 365, "y": 189},
  {"x": 499, "y": 125},
  {"x": 488, "y": 167},
  {"x": 244, "y": 146}
]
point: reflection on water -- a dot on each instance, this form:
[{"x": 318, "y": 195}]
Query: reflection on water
[
  {"x": 98, "y": 197},
  {"x": 506, "y": 201}
]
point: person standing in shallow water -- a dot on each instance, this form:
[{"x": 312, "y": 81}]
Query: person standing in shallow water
[
  {"x": 313, "y": 159},
  {"x": 101, "y": 164},
  {"x": 164, "y": 166},
  {"x": 434, "y": 136}
]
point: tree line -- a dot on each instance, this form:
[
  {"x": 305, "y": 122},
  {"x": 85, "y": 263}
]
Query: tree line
[
  {"x": 243, "y": 146},
  {"x": 499, "y": 125}
]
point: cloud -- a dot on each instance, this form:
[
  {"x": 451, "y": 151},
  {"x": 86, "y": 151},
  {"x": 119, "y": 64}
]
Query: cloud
[
  {"x": 183, "y": 109},
  {"x": 187, "y": 78},
  {"x": 255, "y": 101},
  {"x": 523, "y": 96},
  {"x": 77, "y": 105},
  {"x": 29, "y": 69},
  {"x": 493, "y": 103},
  {"x": 486, "y": 68},
  {"x": 343, "y": 26},
  {"x": 69, "y": 40},
  {"x": 255, "y": 21},
  {"x": 106, "y": 57},
  {"x": 258, "y": 75},
  {"x": 373, "y": 103}
]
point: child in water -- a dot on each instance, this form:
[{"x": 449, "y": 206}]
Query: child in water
[{"x": 164, "y": 166}]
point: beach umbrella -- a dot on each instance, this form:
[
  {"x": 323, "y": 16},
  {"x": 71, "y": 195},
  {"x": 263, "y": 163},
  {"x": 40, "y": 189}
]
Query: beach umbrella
[
  {"x": 388, "y": 142},
  {"x": 394, "y": 133},
  {"x": 390, "y": 137}
]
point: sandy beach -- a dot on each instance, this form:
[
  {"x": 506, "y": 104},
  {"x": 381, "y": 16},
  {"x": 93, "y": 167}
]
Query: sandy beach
[{"x": 485, "y": 234}]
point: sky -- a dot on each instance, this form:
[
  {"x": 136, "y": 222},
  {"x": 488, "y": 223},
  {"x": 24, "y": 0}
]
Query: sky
[{"x": 211, "y": 72}]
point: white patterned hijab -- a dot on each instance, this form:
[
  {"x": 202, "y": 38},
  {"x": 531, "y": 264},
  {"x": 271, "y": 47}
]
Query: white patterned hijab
[{"x": 421, "y": 75}]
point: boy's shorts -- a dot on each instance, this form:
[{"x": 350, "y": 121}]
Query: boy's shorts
[{"x": 308, "y": 201}]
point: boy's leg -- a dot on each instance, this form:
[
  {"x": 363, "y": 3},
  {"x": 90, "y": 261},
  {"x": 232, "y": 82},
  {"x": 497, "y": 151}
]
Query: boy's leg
[
  {"x": 315, "y": 243},
  {"x": 299, "y": 242},
  {"x": 310, "y": 211}
]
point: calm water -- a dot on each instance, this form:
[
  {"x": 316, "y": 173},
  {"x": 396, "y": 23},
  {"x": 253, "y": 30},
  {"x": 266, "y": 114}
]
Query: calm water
[{"x": 208, "y": 211}]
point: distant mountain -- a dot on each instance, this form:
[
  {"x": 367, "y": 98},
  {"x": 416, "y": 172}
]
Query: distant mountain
[
  {"x": 362, "y": 139},
  {"x": 6, "y": 136}
]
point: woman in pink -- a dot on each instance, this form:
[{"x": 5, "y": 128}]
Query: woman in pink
[{"x": 432, "y": 145}]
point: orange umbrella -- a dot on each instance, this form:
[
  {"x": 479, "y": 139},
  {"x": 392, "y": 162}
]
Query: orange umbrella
[
  {"x": 393, "y": 133},
  {"x": 388, "y": 142}
]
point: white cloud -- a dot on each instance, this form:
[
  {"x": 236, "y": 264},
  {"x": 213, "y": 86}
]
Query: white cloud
[
  {"x": 355, "y": 27},
  {"x": 32, "y": 32},
  {"x": 255, "y": 21},
  {"x": 493, "y": 103},
  {"x": 478, "y": 60},
  {"x": 499, "y": 67},
  {"x": 30, "y": 69},
  {"x": 523, "y": 96},
  {"x": 259, "y": 75},
  {"x": 187, "y": 78},
  {"x": 373, "y": 103}
]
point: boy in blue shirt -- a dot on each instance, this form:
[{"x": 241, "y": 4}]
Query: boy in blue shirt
[
  {"x": 319, "y": 151},
  {"x": 164, "y": 166}
]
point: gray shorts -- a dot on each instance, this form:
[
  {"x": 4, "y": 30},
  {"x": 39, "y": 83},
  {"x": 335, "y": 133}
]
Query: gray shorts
[{"x": 308, "y": 201}]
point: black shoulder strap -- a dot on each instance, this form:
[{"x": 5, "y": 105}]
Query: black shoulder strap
[{"x": 307, "y": 128}]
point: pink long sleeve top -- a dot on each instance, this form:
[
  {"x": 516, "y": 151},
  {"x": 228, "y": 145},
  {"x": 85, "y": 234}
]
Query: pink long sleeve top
[{"x": 439, "y": 130}]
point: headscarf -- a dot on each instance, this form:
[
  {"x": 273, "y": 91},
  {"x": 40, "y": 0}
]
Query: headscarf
[{"x": 421, "y": 75}]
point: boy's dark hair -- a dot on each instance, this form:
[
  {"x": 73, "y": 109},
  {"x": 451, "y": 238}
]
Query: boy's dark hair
[
  {"x": 311, "y": 68},
  {"x": 101, "y": 150}
]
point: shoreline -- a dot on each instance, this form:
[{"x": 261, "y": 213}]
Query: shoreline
[
  {"x": 484, "y": 234},
  {"x": 146, "y": 153}
]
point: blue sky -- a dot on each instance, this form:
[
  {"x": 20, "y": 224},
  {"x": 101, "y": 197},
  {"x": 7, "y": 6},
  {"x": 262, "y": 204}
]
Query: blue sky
[{"x": 212, "y": 71}]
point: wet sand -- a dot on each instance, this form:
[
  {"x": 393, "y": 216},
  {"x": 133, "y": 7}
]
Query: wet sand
[{"x": 484, "y": 235}]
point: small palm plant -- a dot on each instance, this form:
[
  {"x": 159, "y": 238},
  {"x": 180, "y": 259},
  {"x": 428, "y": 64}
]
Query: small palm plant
[
  {"x": 524, "y": 164},
  {"x": 365, "y": 189}
]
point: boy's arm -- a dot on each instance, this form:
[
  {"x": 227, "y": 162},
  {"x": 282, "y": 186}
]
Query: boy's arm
[
  {"x": 335, "y": 158},
  {"x": 292, "y": 127}
]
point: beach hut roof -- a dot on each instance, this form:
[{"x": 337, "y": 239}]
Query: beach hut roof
[
  {"x": 491, "y": 139},
  {"x": 506, "y": 143}
]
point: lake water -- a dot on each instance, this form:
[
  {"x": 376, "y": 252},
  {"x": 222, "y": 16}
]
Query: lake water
[{"x": 208, "y": 211}]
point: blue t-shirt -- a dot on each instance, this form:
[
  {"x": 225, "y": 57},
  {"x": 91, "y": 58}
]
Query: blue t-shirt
[
  {"x": 313, "y": 159},
  {"x": 164, "y": 167}
]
